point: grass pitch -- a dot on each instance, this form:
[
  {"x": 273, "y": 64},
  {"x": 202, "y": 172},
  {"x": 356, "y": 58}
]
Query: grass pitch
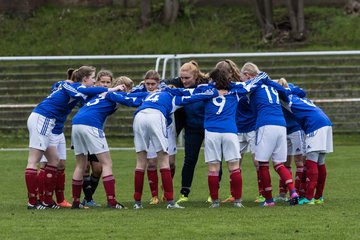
[{"x": 338, "y": 218}]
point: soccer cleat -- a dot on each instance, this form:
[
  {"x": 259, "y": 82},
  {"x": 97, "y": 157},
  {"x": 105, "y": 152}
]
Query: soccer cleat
[
  {"x": 238, "y": 205},
  {"x": 294, "y": 199},
  {"x": 64, "y": 204},
  {"x": 319, "y": 201},
  {"x": 183, "y": 198},
  {"x": 215, "y": 204},
  {"x": 260, "y": 199},
  {"x": 91, "y": 203},
  {"x": 35, "y": 207},
  {"x": 228, "y": 199},
  {"x": 268, "y": 204},
  {"x": 281, "y": 198},
  {"x": 52, "y": 205},
  {"x": 138, "y": 205},
  {"x": 209, "y": 200},
  {"x": 117, "y": 206},
  {"x": 174, "y": 206},
  {"x": 306, "y": 201},
  {"x": 78, "y": 206},
  {"x": 154, "y": 201}
]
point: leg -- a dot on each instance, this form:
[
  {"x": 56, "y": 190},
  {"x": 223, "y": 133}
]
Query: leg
[
  {"x": 77, "y": 179},
  {"x": 60, "y": 184},
  {"x": 312, "y": 174},
  {"x": 213, "y": 182},
  {"x": 31, "y": 174},
  {"x": 299, "y": 171},
  {"x": 321, "y": 178},
  {"x": 266, "y": 182},
  {"x": 193, "y": 142},
  {"x": 235, "y": 179},
  {"x": 108, "y": 178},
  {"x": 87, "y": 182},
  {"x": 50, "y": 174},
  {"x": 166, "y": 179},
  {"x": 139, "y": 175},
  {"x": 153, "y": 176}
]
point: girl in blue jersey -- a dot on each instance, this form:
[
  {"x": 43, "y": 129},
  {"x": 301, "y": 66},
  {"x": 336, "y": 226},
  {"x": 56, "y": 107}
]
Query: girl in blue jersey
[
  {"x": 88, "y": 137},
  {"x": 221, "y": 135},
  {"x": 150, "y": 123},
  {"x": 295, "y": 147},
  {"x": 151, "y": 84},
  {"x": 245, "y": 122},
  {"x": 270, "y": 133},
  {"x": 41, "y": 122},
  {"x": 60, "y": 145},
  {"x": 104, "y": 78},
  {"x": 318, "y": 141}
]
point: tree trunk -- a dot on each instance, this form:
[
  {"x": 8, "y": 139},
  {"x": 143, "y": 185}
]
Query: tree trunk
[
  {"x": 170, "y": 12},
  {"x": 145, "y": 13},
  {"x": 264, "y": 13},
  {"x": 296, "y": 17}
]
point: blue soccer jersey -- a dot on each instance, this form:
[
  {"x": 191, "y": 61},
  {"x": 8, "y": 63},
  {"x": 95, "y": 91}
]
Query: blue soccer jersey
[
  {"x": 63, "y": 99},
  {"x": 95, "y": 112},
  {"x": 167, "y": 103},
  {"x": 220, "y": 114},
  {"x": 265, "y": 101},
  {"x": 291, "y": 124},
  {"x": 306, "y": 113},
  {"x": 245, "y": 117}
]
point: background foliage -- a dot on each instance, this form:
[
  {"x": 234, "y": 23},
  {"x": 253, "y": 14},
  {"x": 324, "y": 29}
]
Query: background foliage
[{"x": 115, "y": 30}]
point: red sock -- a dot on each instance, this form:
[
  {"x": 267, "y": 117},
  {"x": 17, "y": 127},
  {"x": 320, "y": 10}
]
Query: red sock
[
  {"x": 236, "y": 183},
  {"x": 31, "y": 184},
  {"x": 285, "y": 175},
  {"x": 60, "y": 185},
  {"x": 50, "y": 183},
  {"x": 172, "y": 170},
  {"x": 302, "y": 189},
  {"x": 321, "y": 181},
  {"x": 139, "y": 184},
  {"x": 298, "y": 177},
  {"x": 260, "y": 187},
  {"x": 167, "y": 184},
  {"x": 266, "y": 180},
  {"x": 213, "y": 182},
  {"x": 153, "y": 181},
  {"x": 41, "y": 184},
  {"x": 76, "y": 190},
  {"x": 109, "y": 185},
  {"x": 312, "y": 175},
  {"x": 282, "y": 187}
]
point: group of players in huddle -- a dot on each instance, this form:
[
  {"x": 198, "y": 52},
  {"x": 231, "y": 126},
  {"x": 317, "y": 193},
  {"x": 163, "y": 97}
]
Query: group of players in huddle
[{"x": 233, "y": 111}]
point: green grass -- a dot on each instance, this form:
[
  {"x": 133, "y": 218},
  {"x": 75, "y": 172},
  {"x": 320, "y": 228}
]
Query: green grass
[
  {"x": 337, "y": 219},
  {"x": 114, "y": 30}
]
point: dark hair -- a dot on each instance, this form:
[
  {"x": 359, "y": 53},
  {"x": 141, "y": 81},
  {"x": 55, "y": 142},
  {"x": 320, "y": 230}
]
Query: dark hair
[
  {"x": 222, "y": 82},
  {"x": 69, "y": 72}
]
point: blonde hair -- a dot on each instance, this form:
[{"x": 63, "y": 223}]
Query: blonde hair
[
  {"x": 104, "y": 73},
  {"x": 152, "y": 74},
  {"x": 250, "y": 68},
  {"x": 193, "y": 68},
  {"x": 282, "y": 82},
  {"x": 230, "y": 68},
  {"x": 123, "y": 80},
  {"x": 83, "y": 71}
]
